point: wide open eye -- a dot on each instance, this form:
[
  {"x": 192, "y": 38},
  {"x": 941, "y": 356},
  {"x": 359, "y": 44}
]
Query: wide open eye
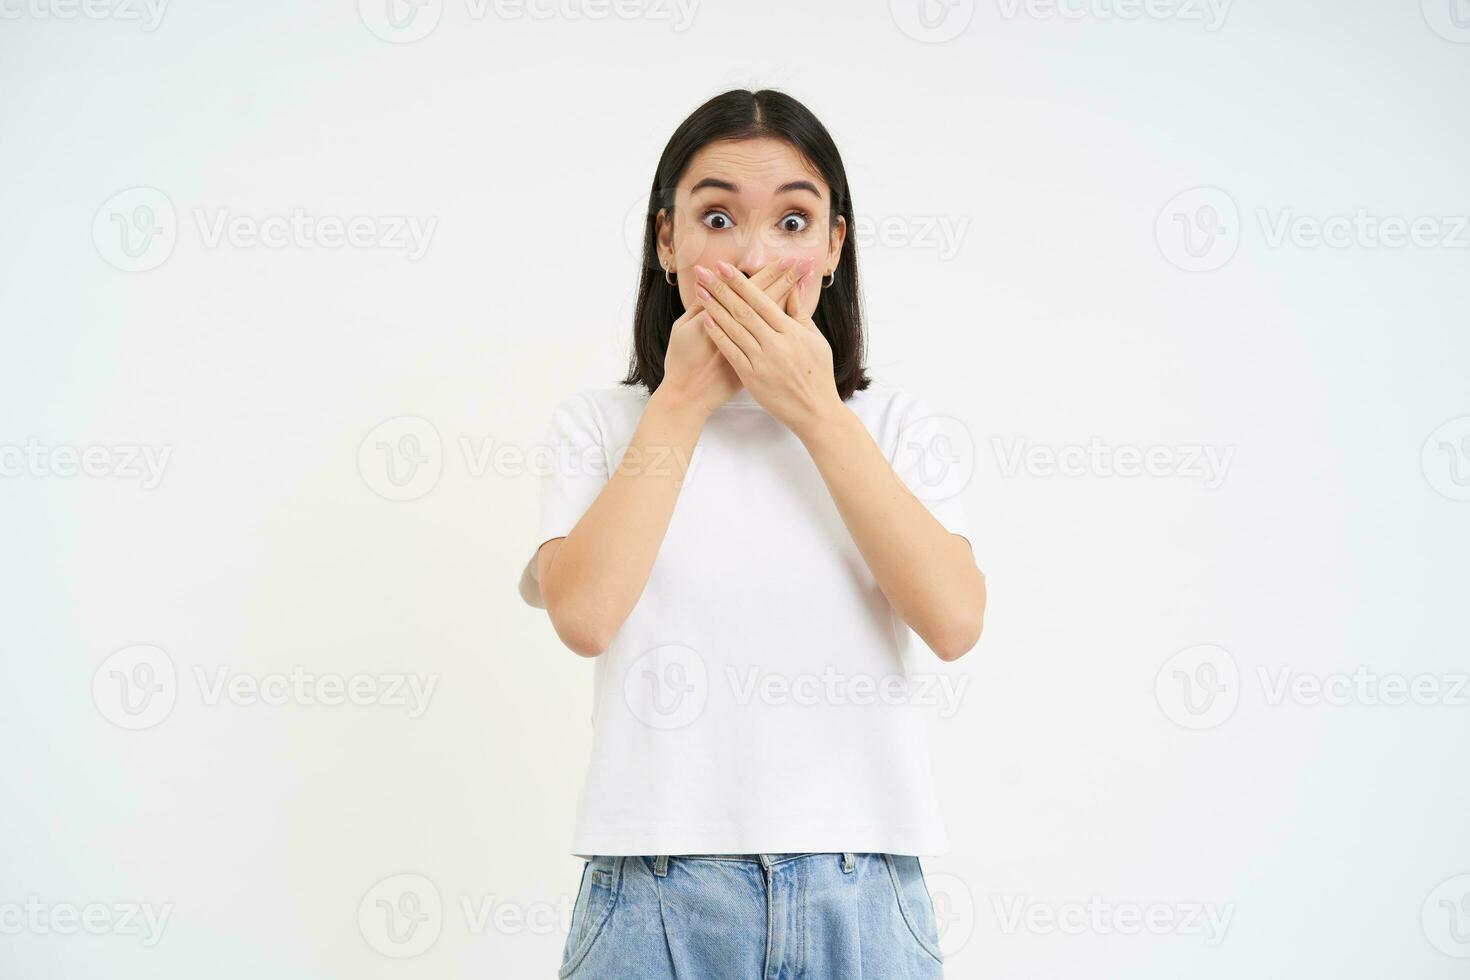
[
  {"x": 718, "y": 215},
  {"x": 798, "y": 218}
]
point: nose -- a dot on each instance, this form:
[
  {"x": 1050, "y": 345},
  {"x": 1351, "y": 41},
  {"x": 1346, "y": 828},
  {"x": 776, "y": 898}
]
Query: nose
[
  {"x": 751, "y": 262},
  {"x": 752, "y": 255}
]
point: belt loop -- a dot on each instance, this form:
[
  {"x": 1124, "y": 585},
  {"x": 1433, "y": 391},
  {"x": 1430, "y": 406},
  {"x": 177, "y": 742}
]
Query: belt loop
[
  {"x": 765, "y": 861},
  {"x": 849, "y": 862},
  {"x": 661, "y": 865}
]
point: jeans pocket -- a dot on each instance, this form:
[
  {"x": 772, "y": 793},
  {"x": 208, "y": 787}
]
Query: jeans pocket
[
  {"x": 596, "y": 896},
  {"x": 915, "y": 905}
]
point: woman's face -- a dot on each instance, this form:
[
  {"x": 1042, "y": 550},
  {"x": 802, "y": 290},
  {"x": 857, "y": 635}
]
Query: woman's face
[{"x": 749, "y": 202}]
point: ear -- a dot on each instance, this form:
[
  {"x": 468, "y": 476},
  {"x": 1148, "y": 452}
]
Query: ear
[
  {"x": 837, "y": 238},
  {"x": 663, "y": 237}
]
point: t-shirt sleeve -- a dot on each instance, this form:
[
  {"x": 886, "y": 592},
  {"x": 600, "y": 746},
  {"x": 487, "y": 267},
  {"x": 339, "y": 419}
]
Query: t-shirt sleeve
[
  {"x": 934, "y": 455},
  {"x": 574, "y": 471}
]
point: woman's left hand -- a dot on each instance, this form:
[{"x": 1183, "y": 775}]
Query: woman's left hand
[{"x": 780, "y": 356}]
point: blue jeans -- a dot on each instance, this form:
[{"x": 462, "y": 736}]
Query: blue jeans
[{"x": 753, "y": 917}]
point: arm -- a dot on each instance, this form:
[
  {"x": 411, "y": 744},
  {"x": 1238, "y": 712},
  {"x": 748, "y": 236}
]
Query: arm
[
  {"x": 928, "y": 573},
  {"x": 592, "y": 578}
]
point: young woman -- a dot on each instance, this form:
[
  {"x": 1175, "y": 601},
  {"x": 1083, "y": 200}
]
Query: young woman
[{"x": 734, "y": 534}]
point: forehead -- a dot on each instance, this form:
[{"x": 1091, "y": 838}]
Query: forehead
[{"x": 756, "y": 166}]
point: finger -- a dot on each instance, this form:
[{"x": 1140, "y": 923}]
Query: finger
[
  {"x": 727, "y": 323},
  {"x": 770, "y": 313},
  {"x": 784, "y": 283},
  {"x": 793, "y": 298},
  {"x": 727, "y": 347},
  {"x": 797, "y": 297},
  {"x": 690, "y": 313},
  {"x": 772, "y": 272},
  {"x": 777, "y": 277},
  {"x": 715, "y": 290}
]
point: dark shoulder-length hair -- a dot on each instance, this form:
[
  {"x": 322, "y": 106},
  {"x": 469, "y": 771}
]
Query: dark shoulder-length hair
[{"x": 734, "y": 115}]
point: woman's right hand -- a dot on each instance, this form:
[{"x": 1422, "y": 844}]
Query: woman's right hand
[{"x": 694, "y": 368}]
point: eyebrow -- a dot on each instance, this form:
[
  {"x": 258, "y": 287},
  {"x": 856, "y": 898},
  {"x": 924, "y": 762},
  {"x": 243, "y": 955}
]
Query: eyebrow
[{"x": 725, "y": 185}]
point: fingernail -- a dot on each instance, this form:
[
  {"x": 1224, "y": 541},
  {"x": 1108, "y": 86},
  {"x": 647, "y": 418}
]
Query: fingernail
[
  {"x": 701, "y": 292},
  {"x": 726, "y": 269},
  {"x": 786, "y": 263},
  {"x": 703, "y": 274},
  {"x": 806, "y": 265}
]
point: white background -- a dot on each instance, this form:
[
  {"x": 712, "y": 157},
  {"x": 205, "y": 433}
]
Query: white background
[{"x": 1056, "y": 140}]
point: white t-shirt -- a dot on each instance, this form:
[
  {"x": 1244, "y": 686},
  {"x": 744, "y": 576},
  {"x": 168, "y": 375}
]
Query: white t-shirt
[{"x": 762, "y": 696}]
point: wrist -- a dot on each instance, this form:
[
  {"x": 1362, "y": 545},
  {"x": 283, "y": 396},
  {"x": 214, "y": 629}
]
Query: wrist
[
  {"x": 677, "y": 406},
  {"x": 830, "y": 420}
]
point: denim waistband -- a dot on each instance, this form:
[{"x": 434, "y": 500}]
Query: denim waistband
[{"x": 661, "y": 861}]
